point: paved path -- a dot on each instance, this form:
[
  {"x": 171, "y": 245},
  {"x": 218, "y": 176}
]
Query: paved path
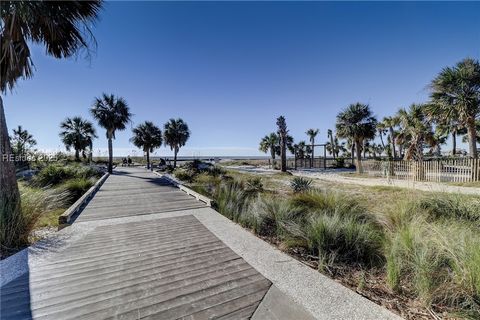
[{"x": 143, "y": 249}]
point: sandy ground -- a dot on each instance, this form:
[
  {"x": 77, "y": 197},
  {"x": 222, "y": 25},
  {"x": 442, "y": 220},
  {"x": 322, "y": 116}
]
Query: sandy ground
[{"x": 332, "y": 175}]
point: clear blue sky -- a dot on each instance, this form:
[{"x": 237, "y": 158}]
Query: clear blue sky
[{"x": 229, "y": 69}]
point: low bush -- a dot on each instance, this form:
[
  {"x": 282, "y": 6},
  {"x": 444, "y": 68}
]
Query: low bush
[
  {"x": 273, "y": 216},
  {"x": 216, "y": 171},
  {"x": 54, "y": 174},
  {"x": 231, "y": 199},
  {"x": 254, "y": 185},
  {"x": 300, "y": 184},
  {"x": 15, "y": 232},
  {"x": 77, "y": 187},
  {"x": 335, "y": 238},
  {"x": 184, "y": 175},
  {"x": 433, "y": 249}
]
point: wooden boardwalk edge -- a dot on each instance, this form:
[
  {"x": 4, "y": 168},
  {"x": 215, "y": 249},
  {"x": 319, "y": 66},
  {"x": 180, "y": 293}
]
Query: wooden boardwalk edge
[
  {"x": 67, "y": 216},
  {"x": 190, "y": 192}
]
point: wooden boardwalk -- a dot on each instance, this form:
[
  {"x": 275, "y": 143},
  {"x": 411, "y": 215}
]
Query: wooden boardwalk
[{"x": 166, "y": 268}]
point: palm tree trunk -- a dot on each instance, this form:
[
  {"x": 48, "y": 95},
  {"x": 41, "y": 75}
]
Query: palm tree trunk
[
  {"x": 454, "y": 142},
  {"x": 77, "y": 155},
  {"x": 175, "y": 151},
  {"x": 90, "y": 155},
  {"x": 272, "y": 154},
  {"x": 472, "y": 138},
  {"x": 148, "y": 159},
  {"x": 9, "y": 194},
  {"x": 359, "y": 157},
  {"x": 392, "y": 138},
  {"x": 283, "y": 154},
  {"x": 311, "y": 160},
  {"x": 110, "y": 154},
  {"x": 353, "y": 152}
]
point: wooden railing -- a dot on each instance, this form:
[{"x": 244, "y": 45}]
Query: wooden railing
[{"x": 435, "y": 170}]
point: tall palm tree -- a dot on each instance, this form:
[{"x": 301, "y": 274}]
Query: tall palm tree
[
  {"x": 416, "y": 130},
  {"x": 77, "y": 133},
  {"x": 112, "y": 114},
  {"x": 175, "y": 134},
  {"x": 22, "y": 140},
  {"x": 147, "y": 137},
  {"x": 269, "y": 143},
  {"x": 334, "y": 147},
  {"x": 390, "y": 123},
  {"x": 455, "y": 92},
  {"x": 282, "y": 132},
  {"x": 24, "y": 23},
  {"x": 312, "y": 133},
  {"x": 357, "y": 123},
  {"x": 331, "y": 148}
]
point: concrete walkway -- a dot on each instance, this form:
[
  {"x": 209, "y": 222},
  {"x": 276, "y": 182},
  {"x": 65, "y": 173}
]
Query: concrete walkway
[{"x": 144, "y": 249}]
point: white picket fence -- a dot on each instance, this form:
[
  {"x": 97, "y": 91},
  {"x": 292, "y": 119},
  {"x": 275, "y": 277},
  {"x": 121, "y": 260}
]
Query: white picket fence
[{"x": 451, "y": 170}]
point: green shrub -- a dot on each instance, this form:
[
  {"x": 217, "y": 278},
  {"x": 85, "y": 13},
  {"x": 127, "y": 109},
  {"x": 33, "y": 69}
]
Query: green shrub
[
  {"x": 300, "y": 184},
  {"x": 231, "y": 199},
  {"x": 451, "y": 206},
  {"x": 254, "y": 185},
  {"x": 184, "y": 175},
  {"x": 336, "y": 238},
  {"x": 54, "y": 174},
  {"x": 327, "y": 202},
  {"x": 77, "y": 187},
  {"x": 15, "y": 232},
  {"x": 272, "y": 216},
  {"x": 434, "y": 249},
  {"x": 216, "y": 171}
]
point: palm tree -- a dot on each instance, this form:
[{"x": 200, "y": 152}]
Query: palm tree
[
  {"x": 334, "y": 146},
  {"x": 357, "y": 123},
  {"x": 282, "y": 132},
  {"x": 147, "y": 137},
  {"x": 25, "y": 23},
  {"x": 416, "y": 130},
  {"x": 389, "y": 123},
  {"x": 331, "y": 147},
  {"x": 22, "y": 141},
  {"x": 77, "y": 133},
  {"x": 312, "y": 133},
  {"x": 269, "y": 143},
  {"x": 447, "y": 127},
  {"x": 176, "y": 134},
  {"x": 112, "y": 114},
  {"x": 456, "y": 95}
]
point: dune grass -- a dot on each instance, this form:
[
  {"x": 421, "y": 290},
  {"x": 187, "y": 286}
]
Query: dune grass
[
  {"x": 422, "y": 246},
  {"x": 46, "y": 196}
]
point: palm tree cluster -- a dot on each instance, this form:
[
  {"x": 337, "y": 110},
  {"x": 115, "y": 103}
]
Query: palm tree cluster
[
  {"x": 273, "y": 143},
  {"x": 453, "y": 110},
  {"x": 78, "y": 133}
]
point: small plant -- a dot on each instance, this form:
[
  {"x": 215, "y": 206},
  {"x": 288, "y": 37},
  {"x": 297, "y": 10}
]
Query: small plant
[
  {"x": 216, "y": 171},
  {"x": 300, "y": 184},
  {"x": 184, "y": 175},
  {"x": 272, "y": 216},
  {"x": 254, "y": 185},
  {"x": 77, "y": 187}
]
